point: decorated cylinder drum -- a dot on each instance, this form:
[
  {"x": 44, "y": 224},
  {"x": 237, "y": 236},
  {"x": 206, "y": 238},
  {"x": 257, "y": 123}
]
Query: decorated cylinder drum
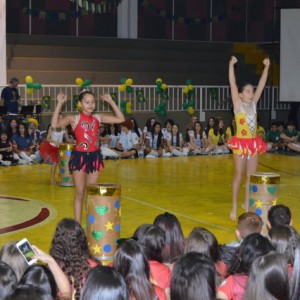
[
  {"x": 103, "y": 209},
  {"x": 263, "y": 193},
  {"x": 65, "y": 178}
]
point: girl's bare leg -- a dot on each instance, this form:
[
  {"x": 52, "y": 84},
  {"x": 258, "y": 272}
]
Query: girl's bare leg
[
  {"x": 252, "y": 164},
  {"x": 53, "y": 170},
  {"x": 81, "y": 180},
  {"x": 240, "y": 166}
]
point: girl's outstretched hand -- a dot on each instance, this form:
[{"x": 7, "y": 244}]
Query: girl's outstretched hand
[
  {"x": 266, "y": 62},
  {"x": 61, "y": 98},
  {"x": 233, "y": 60},
  {"x": 107, "y": 98}
]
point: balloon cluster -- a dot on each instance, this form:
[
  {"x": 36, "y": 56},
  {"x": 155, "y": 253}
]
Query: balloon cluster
[
  {"x": 83, "y": 84},
  {"x": 160, "y": 86},
  {"x": 189, "y": 90},
  {"x": 161, "y": 109},
  {"x": 126, "y": 85},
  {"x": 126, "y": 107},
  {"x": 30, "y": 85}
]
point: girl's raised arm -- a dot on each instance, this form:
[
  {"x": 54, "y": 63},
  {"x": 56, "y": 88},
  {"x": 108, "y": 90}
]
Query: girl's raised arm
[
  {"x": 118, "y": 117},
  {"x": 232, "y": 82},
  {"x": 262, "y": 81},
  {"x": 57, "y": 122}
]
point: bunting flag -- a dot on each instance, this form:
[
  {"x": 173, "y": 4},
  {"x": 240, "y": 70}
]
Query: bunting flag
[
  {"x": 46, "y": 101},
  {"x": 186, "y": 20},
  {"x": 97, "y": 8}
]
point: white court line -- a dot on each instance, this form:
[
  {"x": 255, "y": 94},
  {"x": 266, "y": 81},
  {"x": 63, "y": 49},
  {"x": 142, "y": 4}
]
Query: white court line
[{"x": 178, "y": 214}]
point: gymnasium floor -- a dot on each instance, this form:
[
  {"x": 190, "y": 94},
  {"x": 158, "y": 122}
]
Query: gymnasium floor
[{"x": 196, "y": 189}]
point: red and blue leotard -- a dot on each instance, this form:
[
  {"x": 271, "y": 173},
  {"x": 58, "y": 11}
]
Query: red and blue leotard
[{"x": 87, "y": 155}]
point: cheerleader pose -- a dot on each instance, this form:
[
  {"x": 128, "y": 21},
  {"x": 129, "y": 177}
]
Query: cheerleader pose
[
  {"x": 245, "y": 145},
  {"x": 86, "y": 160}
]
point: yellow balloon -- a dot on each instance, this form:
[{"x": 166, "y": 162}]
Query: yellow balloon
[
  {"x": 158, "y": 80},
  {"x": 191, "y": 110},
  {"x": 128, "y": 105},
  {"x": 28, "y": 79},
  {"x": 189, "y": 87},
  {"x": 29, "y": 91},
  {"x": 129, "y": 81},
  {"x": 129, "y": 111},
  {"x": 185, "y": 90},
  {"x": 122, "y": 87},
  {"x": 164, "y": 86},
  {"x": 79, "y": 81}
]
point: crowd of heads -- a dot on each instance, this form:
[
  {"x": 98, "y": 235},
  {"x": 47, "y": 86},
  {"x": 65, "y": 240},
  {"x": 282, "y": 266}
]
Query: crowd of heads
[{"x": 158, "y": 262}]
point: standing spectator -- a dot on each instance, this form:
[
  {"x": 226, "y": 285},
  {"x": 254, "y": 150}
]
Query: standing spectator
[{"x": 10, "y": 97}]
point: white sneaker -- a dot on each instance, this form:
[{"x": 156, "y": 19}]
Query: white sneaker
[{"x": 150, "y": 156}]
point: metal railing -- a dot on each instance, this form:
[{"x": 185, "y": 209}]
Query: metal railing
[{"x": 205, "y": 98}]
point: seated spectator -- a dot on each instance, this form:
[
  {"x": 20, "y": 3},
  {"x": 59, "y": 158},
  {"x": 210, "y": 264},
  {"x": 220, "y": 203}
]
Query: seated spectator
[
  {"x": 279, "y": 215},
  {"x": 268, "y": 278},
  {"x": 6, "y": 153},
  {"x": 70, "y": 250},
  {"x": 290, "y": 131},
  {"x": 139, "y": 133},
  {"x": 209, "y": 125},
  {"x": 167, "y": 131},
  {"x": 28, "y": 292},
  {"x": 230, "y": 130},
  {"x": 253, "y": 246},
  {"x": 104, "y": 283},
  {"x": 248, "y": 223},
  {"x": 114, "y": 134},
  {"x": 260, "y": 131},
  {"x": 154, "y": 145},
  {"x": 203, "y": 241},
  {"x": 24, "y": 145},
  {"x": 174, "y": 243},
  {"x": 131, "y": 262},
  {"x": 295, "y": 146},
  {"x": 105, "y": 140},
  {"x": 128, "y": 142},
  {"x": 193, "y": 277},
  {"x": 147, "y": 128},
  {"x": 12, "y": 130},
  {"x": 197, "y": 139},
  {"x": 216, "y": 141},
  {"x": 10, "y": 254},
  {"x": 175, "y": 142},
  {"x": 285, "y": 238},
  {"x": 274, "y": 139},
  {"x": 190, "y": 128},
  {"x": 8, "y": 280},
  {"x": 152, "y": 238}
]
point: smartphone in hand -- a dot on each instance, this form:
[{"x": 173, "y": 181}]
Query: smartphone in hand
[{"x": 27, "y": 251}]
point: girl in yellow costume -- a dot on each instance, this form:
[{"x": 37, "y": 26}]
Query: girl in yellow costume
[{"x": 245, "y": 145}]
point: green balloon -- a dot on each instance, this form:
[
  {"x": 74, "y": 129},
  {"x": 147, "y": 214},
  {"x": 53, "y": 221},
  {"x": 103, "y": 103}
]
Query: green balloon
[
  {"x": 163, "y": 113},
  {"x": 157, "y": 109},
  {"x": 188, "y": 82},
  {"x": 87, "y": 82},
  {"x": 159, "y": 84},
  {"x": 29, "y": 85},
  {"x": 129, "y": 89},
  {"x": 185, "y": 105},
  {"x": 37, "y": 86},
  {"x": 123, "y": 103},
  {"x": 123, "y": 80},
  {"x": 158, "y": 90}
]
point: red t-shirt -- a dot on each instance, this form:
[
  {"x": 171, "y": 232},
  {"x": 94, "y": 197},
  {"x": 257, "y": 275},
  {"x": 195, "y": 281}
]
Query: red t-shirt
[{"x": 234, "y": 286}]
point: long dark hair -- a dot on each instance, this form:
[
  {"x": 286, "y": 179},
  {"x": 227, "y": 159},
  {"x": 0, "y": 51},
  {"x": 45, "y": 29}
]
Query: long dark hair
[
  {"x": 40, "y": 277},
  {"x": 104, "y": 283},
  {"x": 8, "y": 280},
  {"x": 135, "y": 127},
  {"x": 193, "y": 277},
  {"x": 269, "y": 278},
  {"x": 131, "y": 263},
  {"x": 174, "y": 244},
  {"x": 159, "y": 136},
  {"x": 177, "y": 136},
  {"x": 152, "y": 238},
  {"x": 70, "y": 250},
  {"x": 253, "y": 246}
]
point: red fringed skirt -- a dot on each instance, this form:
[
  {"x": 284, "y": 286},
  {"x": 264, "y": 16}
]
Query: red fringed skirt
[
  {"x": 48, "y": 152},
  {"x": 88, "y": 162},
  {"x": 247, "y": 147}
]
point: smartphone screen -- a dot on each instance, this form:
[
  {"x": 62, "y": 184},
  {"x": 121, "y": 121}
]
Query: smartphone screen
[{"x": 26, "y": 250}]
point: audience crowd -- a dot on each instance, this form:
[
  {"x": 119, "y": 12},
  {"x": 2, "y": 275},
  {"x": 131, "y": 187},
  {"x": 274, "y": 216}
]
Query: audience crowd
[
  {"x": 21, "y": 140},
  {"x": 159, "y": 263}
]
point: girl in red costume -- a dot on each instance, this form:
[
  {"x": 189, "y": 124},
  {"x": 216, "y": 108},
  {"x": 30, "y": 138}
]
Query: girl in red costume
[
  {"x": 86, "y": 160},
  {"x": 245, "y": 145}
]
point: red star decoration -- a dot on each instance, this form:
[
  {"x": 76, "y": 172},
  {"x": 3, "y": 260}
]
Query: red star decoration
[
  {"x": 244, "y": 132},
  {"x": 242, "y": 121}
]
